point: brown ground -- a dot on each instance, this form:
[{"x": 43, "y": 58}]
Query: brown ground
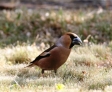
[{"x": 54, "y": 4}]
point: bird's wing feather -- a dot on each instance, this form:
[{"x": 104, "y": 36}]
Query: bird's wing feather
[{"x": 44, "y": 54}]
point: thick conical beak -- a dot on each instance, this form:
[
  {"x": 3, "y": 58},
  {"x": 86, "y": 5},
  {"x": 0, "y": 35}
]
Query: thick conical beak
[{"x": 77, "y": 41}]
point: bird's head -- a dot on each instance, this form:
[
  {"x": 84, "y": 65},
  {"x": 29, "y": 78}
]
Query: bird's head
[{"x": 68, "y": 40}]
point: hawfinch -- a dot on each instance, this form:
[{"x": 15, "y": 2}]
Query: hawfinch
[{"x": 55, "y": 56}]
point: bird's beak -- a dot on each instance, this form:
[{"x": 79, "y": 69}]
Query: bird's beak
[{"x": 77, "y": 41}]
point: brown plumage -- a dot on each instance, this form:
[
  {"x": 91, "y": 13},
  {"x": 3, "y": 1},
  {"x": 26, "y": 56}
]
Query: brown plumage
[{"x": 55, "y": 56}]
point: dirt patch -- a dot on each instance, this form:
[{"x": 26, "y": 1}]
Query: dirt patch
[{"x": 56, "y": 4}]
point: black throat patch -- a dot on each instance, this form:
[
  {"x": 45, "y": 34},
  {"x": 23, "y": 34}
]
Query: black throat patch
[{"x": 72, "y": 44}]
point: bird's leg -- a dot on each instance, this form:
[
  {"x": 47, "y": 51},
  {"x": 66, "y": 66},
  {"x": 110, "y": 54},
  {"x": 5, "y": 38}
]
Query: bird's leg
[
  {"x": 55, "y": 71},
  {"x": 42, "y": 71}
]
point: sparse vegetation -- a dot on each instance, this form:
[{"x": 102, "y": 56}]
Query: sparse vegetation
[{"x": 88, "y": 68}]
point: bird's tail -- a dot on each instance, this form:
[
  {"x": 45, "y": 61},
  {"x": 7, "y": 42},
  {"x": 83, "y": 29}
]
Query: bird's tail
[{"x": 30, "y": 65}]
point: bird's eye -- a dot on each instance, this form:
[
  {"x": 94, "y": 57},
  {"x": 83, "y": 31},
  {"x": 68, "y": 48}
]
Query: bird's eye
[
  {"x": 75, "y": 37},
  {"x": 72, "y": 37}
]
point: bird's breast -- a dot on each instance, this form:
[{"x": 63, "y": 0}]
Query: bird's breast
[{"x": 58, "y": 56}]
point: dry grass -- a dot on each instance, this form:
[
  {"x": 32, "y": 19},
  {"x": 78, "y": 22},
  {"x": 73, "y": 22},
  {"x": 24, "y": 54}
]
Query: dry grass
[{"x": 88, "y": 69}]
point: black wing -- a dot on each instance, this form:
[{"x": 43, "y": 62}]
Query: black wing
[{"x": 44, "y": 54}]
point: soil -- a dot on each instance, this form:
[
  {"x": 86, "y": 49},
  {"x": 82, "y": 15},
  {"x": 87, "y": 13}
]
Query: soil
[{"x": 53, "y": 4}]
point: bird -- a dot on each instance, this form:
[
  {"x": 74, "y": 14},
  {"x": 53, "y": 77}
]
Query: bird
[{"x": 55, "y": 56}]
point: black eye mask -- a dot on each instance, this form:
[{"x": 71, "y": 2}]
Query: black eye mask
[{"x": 75, "y": 41}]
